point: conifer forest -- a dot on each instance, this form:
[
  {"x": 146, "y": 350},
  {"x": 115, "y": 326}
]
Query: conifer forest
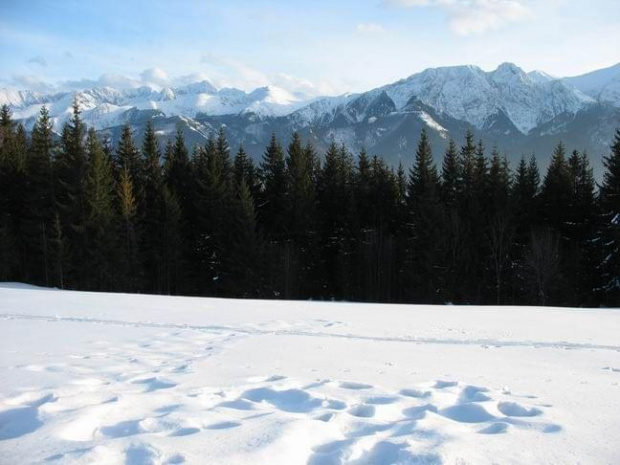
[{"x": 79, "y": 213}]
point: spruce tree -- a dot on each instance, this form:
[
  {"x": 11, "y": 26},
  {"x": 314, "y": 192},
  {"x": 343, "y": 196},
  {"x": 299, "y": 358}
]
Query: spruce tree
[
  {"x": 129, "y": 260},
  {"x": 450, "y": 175},
  {"x": 425, "y": 216},
  {"x": 10, "y": 180},
  {"x": 100, "y": 231},
  {"x": 40, "y": 212},
  {"x": 609, "y": 267},
  {"x": 152, "y": 245},
  {"x": 272, "y": 173},
  {"x": 334, "y": 203},
  {"x": 557, "y": 190},
  {"x": 500, "y": 223},
  {"x": 244, "y": 257},
  {"x": 300, "y": 199},
  {"x": 128, "y": 155}
]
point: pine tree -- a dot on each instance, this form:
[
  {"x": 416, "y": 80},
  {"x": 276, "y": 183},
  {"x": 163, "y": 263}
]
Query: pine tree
[
  {"x": 244, "y": 170},
  {"x": 556, "y": 190},
  {"x": 100, "y": 221},
  {"x": 423, "y": 190},
  {"x": 362, "y": 189},
  {"x": 524, "y": 195},
  {"x": 300, "y": 190},
  {"x": 245, "y": 252},
  {"x": 172, "y": 243},
  {"x": 128, "y": 155},
  {"x": 468, "y": 169},
  {"x": 216, "y": 220},
  {"x": 10, "y": 180},
  {"x": 300, "y": 199},
  {"x": 71, "y": 167},
  {"x": 130, "y": 269},
  {"x": 556, "y": 194},
  {"x": 467, "y": 224},
  {"x": 334, "y": 203},
  {"x": 610, "y": 228},
  {"x": 580, "y": 264},
  {"x": 40, "y": 210},
  {"x": 450, "y": 175},
  {"x": 152, "y": 245},
  {"x": 272, "y": 173},
  {"x": 525, "y": 207},
  {"x": 179, "y": 179},
  {"x": 500, "y": 227}
]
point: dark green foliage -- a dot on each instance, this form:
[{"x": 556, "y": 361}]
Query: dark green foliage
[
  {"x": 99, "y": 229},
  {"x": 425, "y": 217},
  {"x": 82, "y": 214},
  {"x": 41, "y": 210},
  {"x": 609, "y": 264}
]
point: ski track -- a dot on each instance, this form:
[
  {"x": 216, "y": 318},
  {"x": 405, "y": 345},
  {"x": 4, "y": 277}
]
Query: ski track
[
  {"x": 131, "y": 403},
  {"x": 257, "y": 332}
]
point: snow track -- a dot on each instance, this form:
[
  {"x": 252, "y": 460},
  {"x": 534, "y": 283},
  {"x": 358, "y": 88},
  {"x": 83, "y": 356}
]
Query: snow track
[
  {"x": 117, "y": 379},
  {"x": 258, "y": 332}
]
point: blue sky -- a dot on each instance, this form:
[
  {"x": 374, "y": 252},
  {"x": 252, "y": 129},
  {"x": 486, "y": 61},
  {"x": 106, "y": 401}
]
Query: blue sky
[{"x": 318, "y": 47}]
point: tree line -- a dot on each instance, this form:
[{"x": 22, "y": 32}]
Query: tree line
[{"x": 77, "y": 213}]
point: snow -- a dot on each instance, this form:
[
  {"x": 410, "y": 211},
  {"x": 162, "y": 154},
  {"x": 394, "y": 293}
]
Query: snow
[
  {"x": 466, "y": 93},
  {"x": 106, "y": 107},
  {"x": 135, "y": 379},
  {"x": 431, "y": 123},
  {"x": 602, "y": 84},
  {"x": 470, "y": 94}
]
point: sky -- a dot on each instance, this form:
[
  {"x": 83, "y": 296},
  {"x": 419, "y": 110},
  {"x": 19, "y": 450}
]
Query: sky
[{"x": 319, "y": 47}]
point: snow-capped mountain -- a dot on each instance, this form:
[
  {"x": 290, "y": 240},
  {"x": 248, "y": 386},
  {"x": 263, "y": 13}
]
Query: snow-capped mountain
[
  {"x": 104, "y": 107},
  {"x": 602, "y": 85},
  {"x": 469, "y": 94},
  {"x": 519, "y": 112}
]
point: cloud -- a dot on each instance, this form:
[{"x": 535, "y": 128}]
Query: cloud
[
  {"x": 228, "y": 72},
  {"x": 223, "y": 72},
  {"x": 38, "y": 60},
  {"x": 467, "y": 17},
  {"x": 304, "y": 88},
  {"x": 68, "y": 55},
  {"x": 155, "y": 76},
  {"x": 118, "y": 81},
  {"x": 369, "y": 28},
  {"x": 30, "y": 82}
]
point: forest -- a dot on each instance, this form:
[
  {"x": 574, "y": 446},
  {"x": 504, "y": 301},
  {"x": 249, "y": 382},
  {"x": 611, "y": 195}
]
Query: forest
[{"x": 78, "y": 213}]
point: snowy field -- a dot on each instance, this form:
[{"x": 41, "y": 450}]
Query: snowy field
[{"x": 133, "y": 379}]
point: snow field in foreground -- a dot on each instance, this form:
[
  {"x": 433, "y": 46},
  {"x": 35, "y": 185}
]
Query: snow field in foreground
[{"x": 113, "y": 378}]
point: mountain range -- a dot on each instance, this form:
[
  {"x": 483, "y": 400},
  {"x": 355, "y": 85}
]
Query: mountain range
[{"x": 521, "y": 113}]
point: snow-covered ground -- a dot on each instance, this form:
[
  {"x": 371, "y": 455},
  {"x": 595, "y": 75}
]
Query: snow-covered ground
[{"x": 136, "y": 379}]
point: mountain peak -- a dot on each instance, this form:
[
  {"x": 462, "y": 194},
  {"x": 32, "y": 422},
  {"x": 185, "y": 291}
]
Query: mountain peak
[
  {"x": 508, "y": 66},
  {"x": 200, "y": 87},
  {"x": 509, "y": 72}
]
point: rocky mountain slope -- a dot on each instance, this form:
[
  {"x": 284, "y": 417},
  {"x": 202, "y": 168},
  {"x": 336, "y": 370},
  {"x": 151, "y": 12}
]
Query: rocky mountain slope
[{"x": 519, "y": 112}]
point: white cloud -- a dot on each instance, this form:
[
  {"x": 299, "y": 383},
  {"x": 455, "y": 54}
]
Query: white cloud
[
  {"x": 224, "y": 72},
  {"x": 369, "y": 28},
  {"x": 228, "y": 72},
  {"x": 467, "y": 17},
  {"x": 155, "y": 76},
  {"x": 118, "y": 81},
  {"x": 24, "y": 81}
]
